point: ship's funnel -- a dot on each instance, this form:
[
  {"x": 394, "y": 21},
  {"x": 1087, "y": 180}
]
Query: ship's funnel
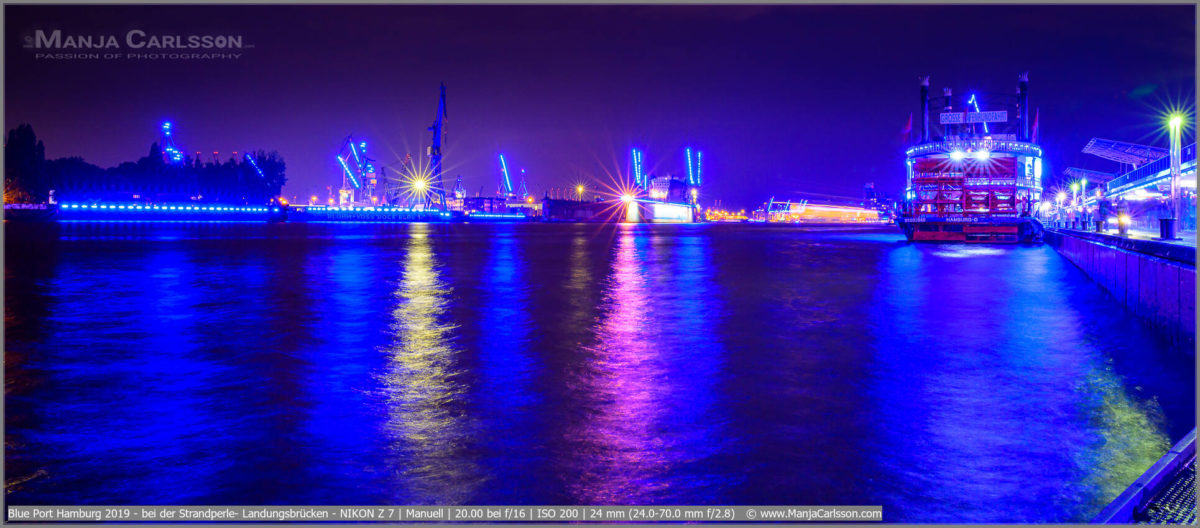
[
  {"x": 925, "y": 109},
  {"x": 1023, "y": 104}
]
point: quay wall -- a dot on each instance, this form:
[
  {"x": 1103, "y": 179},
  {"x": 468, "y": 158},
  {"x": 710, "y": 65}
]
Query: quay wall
[{"x": 1155, "y": 281}]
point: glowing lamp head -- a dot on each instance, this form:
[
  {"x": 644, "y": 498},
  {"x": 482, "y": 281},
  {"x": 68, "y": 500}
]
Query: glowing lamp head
[
  {"x": 695, "y": 192},
  {"x": 958, "y": 155},
  {"x": 1075, "y": 187},
  {"x": 283, "y": 201},
  {"x": 418, "y": 185},
  {"x": 1123, "y": 219},
  {"x": 313, "y": 198},
  {"x": 626, "y": 198},
  {"x": 1062, "y": 195},
  {"x": 982, "y": 155},
  {"x": 579, "y": 189},
  {"x": 1176, "y": 121},
  {"x": 1083, "y": 182}
]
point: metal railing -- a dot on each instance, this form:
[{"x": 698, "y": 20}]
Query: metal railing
[{"x": 1150, "y": 171}]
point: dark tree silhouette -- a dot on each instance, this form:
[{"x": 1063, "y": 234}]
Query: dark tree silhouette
[{"x": 29, "y": 177}]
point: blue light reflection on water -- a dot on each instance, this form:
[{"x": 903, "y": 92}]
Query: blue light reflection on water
[{"x": 573, "y": 364}]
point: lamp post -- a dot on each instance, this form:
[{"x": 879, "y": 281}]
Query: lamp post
[
  {"x": 1083, "y": 216},
  {"x": 1062, "y": 195},
  {"x": 579, "y": 191},
  {"x": 1074, "y": 200},
  {"x": 1167, "y": 226}
]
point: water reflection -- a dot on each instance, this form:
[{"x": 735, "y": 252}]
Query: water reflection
[
  {"x": 431, "y": 464},
  {"x": 574, "y": 364},
  {"x": 506, "y": 402},
  {"x": 647, "y": 392},
  {"x": 987, "y": 374}
]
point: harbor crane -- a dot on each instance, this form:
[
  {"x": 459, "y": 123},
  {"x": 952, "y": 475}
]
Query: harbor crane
[
  {"x": 506, "y": 187},
  {"x": 170, "y": 153},
  {"x": 435, "y": 152},
  {"x": 358, "y": 173}
]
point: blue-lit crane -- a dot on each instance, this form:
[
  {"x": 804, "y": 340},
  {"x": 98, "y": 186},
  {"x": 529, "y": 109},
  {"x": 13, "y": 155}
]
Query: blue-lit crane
[
  {"x": 435, "y": 150},
  {"x": 694, "y": 170},
  {"x": 639, "y": 175},
  {"x": 522, "y": 189},
  {"x": 170, "y": 153},
  {"x": 506, "y": 187},
  {"x": 694, "y": 167},
  {"x": 357, "y": 170}
]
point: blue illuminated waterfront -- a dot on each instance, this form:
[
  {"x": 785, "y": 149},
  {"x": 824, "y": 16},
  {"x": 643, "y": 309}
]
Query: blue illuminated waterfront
[{"x": 574, "y": 364}]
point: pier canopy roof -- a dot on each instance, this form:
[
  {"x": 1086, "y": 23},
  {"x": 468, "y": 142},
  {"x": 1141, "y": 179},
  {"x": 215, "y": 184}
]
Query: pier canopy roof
[
  {"x": 1148, "y": 177},
  {"x": 1122, "y": 152},
  {"x": 1076, "y": 173}
]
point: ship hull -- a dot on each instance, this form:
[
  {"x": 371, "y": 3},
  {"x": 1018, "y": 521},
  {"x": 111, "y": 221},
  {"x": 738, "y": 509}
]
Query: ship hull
[{"x": 1024, "y": 230}]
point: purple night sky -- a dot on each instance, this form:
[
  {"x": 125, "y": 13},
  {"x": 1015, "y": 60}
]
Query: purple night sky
[{"x": 781, "y": 99}]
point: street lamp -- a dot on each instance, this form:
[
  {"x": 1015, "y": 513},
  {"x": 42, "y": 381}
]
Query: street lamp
[
  {"x": 579, "y": 191},
  {"x": 1062, "y": 196},
  {"x": 1167, "y": 226}
]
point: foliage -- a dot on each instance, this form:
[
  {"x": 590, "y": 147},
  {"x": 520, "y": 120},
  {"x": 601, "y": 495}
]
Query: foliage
[{"x": 29, "y": 177}]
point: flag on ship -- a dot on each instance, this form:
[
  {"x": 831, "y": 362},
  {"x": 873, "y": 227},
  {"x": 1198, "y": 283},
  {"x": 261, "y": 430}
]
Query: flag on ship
[
  {"x": 1036, "y": 115},
  {"x": 908, "y": 130}
]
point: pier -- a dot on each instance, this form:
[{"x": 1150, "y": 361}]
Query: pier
[{"x": 1155, "y": 281}]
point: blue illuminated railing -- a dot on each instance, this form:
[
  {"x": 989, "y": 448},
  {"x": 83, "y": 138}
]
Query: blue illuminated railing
[
  {"x": 992, "y": 145},
  {"x": 381, "y": 213},
  {"x": 160, "y": 208},
  {"x": 496, "y": 216},
  {"x": 1151, "y": 171}
]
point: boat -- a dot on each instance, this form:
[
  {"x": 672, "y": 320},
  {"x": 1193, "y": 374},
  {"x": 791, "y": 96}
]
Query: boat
[{"x": 976, "y": 176}]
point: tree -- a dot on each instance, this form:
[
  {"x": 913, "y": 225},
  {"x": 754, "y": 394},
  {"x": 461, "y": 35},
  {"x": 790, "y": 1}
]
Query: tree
[
  {"x": 24, "y": 155},
  {"x": 29, "y": 176}
]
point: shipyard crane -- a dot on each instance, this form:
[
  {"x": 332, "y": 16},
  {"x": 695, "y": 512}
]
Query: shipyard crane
[
  {"x": 435, "y": 151},
  {"x": 693, "y": 168},
  {"x": 357, "y": 171},
  {"x": 394, "y": 187},
  {"x": 460, "y": 191},
  {"x": 170, "y": 153},
  {"x": 522, "y": 190},
  {"x": 506, "y": 187},
  {"x": 639, "y": 175}
]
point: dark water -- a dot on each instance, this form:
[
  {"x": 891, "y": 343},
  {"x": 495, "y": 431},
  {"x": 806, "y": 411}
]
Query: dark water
[{"x": 573, "y": 364}]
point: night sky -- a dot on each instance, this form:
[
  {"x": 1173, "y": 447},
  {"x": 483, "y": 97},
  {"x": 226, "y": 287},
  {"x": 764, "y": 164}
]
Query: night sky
[{"x": 781, "y": 99}]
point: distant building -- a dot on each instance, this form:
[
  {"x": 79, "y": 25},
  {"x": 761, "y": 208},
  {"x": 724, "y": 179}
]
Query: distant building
[
  {"x": 870, "y": 198},
  {"x": 668, "y": 189}
]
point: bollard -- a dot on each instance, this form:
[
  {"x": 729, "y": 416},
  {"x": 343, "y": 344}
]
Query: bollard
[{"x": 1166, "y": 228}]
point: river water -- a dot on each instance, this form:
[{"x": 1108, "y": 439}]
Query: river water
[{"x": 573, "y": 364}]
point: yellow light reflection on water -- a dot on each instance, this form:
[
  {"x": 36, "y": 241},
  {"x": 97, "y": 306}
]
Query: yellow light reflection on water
[
  {"x": 1132, "y": 439},
  {"x": 426, "y": 425}
]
